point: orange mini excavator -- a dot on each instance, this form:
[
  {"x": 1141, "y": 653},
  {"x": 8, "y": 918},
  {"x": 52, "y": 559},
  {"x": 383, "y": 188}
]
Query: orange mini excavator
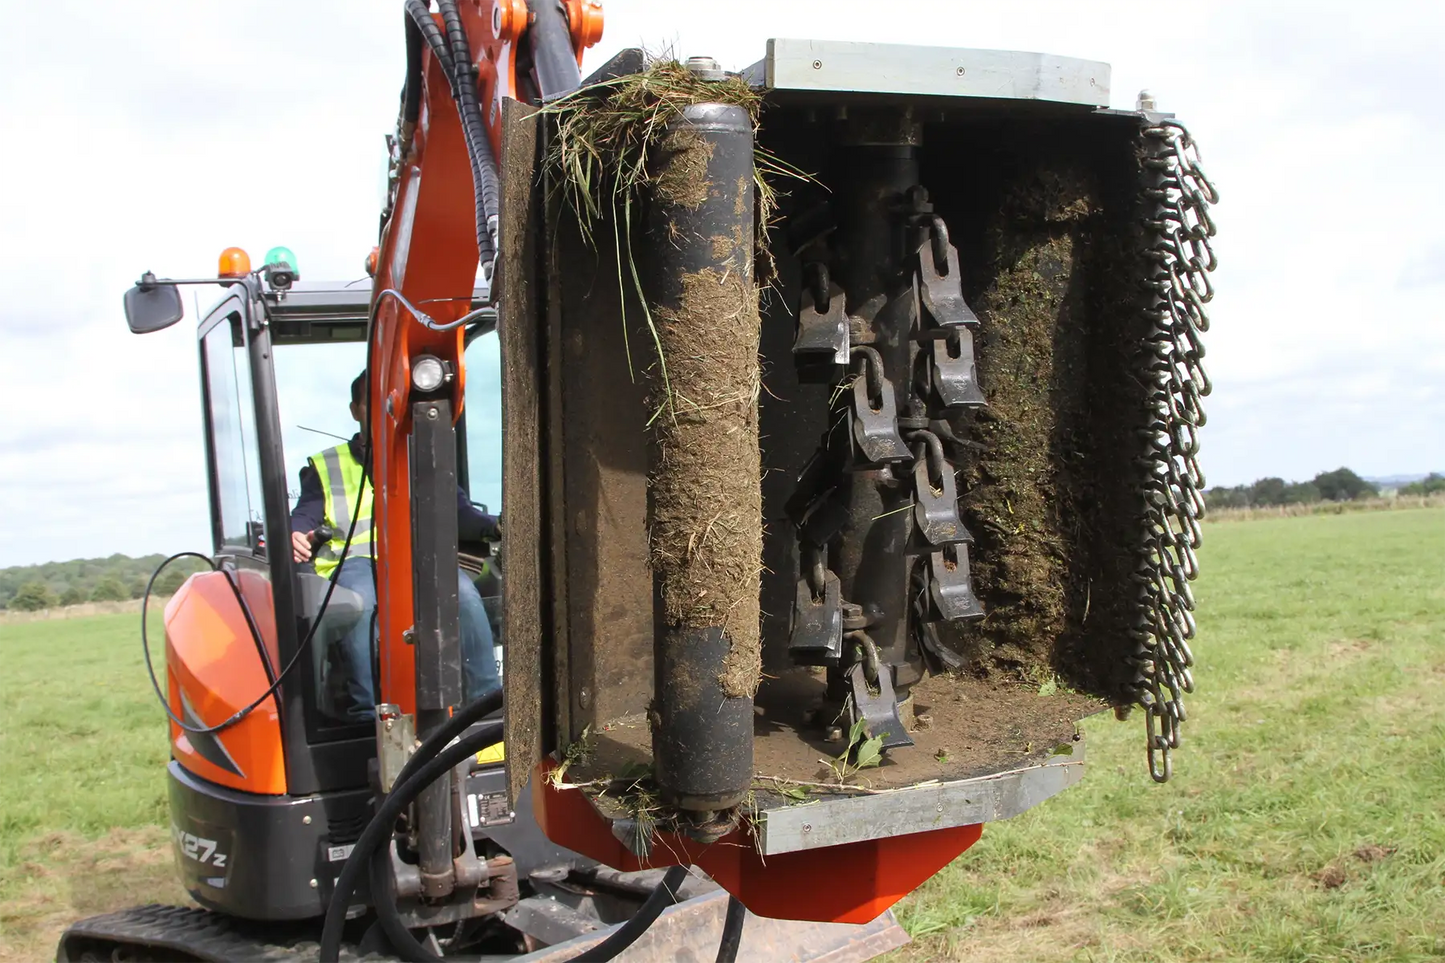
[{"x": 844, "y": 416}]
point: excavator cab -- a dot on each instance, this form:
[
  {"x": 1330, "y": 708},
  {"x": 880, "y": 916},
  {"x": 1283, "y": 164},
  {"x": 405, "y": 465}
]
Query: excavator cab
[
  {"x": 266, "y": 811},
  {"x": 278, "y": 798}
]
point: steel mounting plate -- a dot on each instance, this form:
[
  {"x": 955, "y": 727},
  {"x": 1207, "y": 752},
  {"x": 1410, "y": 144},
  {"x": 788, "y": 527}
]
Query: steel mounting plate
[
  {"x": 831, "y": 65},
  {"x": 898, "y": 812}
]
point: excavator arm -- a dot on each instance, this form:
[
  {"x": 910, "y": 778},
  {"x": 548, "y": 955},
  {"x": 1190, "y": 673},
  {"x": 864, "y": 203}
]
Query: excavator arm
[{"x": 438, "y": 239}]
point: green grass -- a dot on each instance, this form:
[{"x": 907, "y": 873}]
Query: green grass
[
  {"x": 82, "y": 791},
  {"x": 1305, "y": 822},
  {"x": 1306, "y": 817}
]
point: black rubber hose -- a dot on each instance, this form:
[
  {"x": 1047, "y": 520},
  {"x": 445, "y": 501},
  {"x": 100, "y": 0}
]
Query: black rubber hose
[
  {"x": 732, "y": 934},
  {"x": 432, "y": 35},
  {"x": 460, "y": 721},
  {"x": 411, "y": 93},
  {"x": 409, "y": 948},
  {"x": 484, "y": 172},
  {"x": 380, "y": 829},
  {"x": 625, "y": 935},
  {"x": 461, "y": 77},
  {"x": 382, "y": 899}
]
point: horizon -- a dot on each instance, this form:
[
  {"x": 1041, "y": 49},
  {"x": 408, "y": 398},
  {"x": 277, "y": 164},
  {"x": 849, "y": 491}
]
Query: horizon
[{"x": 1326, "y": 347}]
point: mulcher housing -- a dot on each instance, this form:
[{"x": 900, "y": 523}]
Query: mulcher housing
[{"x": 957, "y": 392}]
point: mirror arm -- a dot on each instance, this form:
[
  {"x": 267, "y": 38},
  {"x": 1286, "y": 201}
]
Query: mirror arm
[{"x": 149, "y": 281}]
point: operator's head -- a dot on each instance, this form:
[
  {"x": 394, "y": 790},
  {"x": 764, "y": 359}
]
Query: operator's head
[{"x": 358, "y": 399}]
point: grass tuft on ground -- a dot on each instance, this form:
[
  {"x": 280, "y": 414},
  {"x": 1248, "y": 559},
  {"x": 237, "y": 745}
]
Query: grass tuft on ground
[
  {"x": 1306, "y": 818},
  {"x": 82, "y": 780},
  {"x": 1305, "y": 822}
]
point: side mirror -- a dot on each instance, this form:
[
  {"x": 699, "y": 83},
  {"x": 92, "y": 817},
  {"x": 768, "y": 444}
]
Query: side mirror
[{"x": 152, "y": 305}]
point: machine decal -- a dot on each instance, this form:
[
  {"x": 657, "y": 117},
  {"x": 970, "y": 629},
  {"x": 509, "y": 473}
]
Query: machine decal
[
  {"x": 208, "y": 745},
  {"x": 338, "y": 854},
  {"x": 205, "y": 851}
]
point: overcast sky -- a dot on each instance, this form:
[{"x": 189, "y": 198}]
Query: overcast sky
[{"x": 144, "y": 134}]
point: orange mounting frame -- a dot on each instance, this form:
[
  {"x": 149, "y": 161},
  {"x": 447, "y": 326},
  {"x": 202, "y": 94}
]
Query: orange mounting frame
[
  {"x": 852, "y": 883},
  {"x": 428, "y": 252}
]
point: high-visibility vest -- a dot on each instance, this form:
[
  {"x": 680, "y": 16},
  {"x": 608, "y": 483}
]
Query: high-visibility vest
[{"x": 340, "y": 474}]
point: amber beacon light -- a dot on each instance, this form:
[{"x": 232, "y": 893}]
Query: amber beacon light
[{"x": 235, "y": 263}]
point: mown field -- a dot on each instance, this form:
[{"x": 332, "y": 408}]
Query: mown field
[{"x": 1305, "y": 822}]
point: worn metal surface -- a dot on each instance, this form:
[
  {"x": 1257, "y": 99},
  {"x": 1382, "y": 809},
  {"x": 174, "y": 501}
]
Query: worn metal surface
[
  {"x": 437, "y": 634},
  {"x": 831, "y": 65},
  {"x": 966, "y": 802},
  {"x": 523, "y": 497},
  {"x": 702, "y": 734},
  {"x": 690, "y": 932},
  {"x": 602, "y": 609}
]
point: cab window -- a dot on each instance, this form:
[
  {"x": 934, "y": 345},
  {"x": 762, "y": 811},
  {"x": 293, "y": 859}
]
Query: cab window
[
  {"x": 484, "y": 422},
  {"x": 313, "y": 393},
  {"x": 231, "y": 417}
]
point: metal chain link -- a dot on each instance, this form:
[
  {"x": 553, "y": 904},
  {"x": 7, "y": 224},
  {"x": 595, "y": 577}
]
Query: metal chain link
[{"x": 1180, "y": 258}]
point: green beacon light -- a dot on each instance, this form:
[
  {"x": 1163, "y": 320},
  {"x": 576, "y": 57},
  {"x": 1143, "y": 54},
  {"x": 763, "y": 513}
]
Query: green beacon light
[{"x": 280, "y": 268}]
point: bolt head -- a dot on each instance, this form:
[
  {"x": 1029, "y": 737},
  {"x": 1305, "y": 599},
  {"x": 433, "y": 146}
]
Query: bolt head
[
  {"x": 306, "y": 820},
  {"x": 313, "y": 884},
  {"x": 1146, "y": 101},
  {"x": 817, "y": 65}
]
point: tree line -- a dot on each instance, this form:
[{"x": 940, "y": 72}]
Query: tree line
[
  {"x": 29, "y": 588},
  {"x": 1340, "y": 485}
]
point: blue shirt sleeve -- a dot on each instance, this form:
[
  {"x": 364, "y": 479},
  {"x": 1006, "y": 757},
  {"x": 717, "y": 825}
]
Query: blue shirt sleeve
[
  {"x": 472, "y": 524},
  {"x": 310, "y": 510}
]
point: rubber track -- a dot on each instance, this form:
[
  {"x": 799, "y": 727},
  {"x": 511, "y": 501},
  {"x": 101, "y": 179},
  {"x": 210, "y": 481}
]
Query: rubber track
[{"x": 174, "y": 932}]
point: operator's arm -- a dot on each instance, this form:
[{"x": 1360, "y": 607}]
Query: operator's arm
[
  {"x": 474, "y": 525},
  {"x": 310, "y": 511},
  {"x": 308, "y": 515}
]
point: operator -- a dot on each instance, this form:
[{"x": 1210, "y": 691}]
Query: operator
[{"x": 330, "y": 491}]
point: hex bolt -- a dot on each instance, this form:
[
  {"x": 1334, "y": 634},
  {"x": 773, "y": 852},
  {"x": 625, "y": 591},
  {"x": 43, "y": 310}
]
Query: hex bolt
[
  {"x": 431, "y": 414},
  {"x": 1145, "y": 101}
]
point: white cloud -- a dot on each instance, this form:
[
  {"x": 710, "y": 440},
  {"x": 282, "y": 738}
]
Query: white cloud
[{"x": 158, "y": 134}]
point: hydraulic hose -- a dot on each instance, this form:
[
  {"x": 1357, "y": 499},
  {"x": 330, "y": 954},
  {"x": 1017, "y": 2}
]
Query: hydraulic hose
[
  {"x": 379, "y": 830},
  {"x": 479, "y": 145},
  {"x": 461, "y": 78},
  {"x": 255, "y": 630},
  {"x": 411, "y": 93},
  {"x": 732, "y": 934},
  {"x": 625, "y": 935}
]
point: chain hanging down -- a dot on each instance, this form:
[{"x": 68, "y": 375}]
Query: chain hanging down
[{"x": 1176, "y": 197}]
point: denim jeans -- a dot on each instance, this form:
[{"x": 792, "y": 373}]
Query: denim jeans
[{"x": 479, "y": 661}]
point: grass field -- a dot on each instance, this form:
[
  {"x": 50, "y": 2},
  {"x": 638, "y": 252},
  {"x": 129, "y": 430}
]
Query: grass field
[{"x": 1305, "y": 822}]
